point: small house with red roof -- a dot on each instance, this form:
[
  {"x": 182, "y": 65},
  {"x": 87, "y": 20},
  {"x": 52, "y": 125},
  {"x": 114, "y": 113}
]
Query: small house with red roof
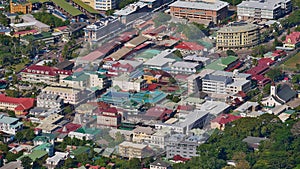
[
  {"x": 68, "y": 128},
  {"x": 20, "y": 106},
  {"x": 190, "y": 48},
  {"x": 220, "y": 121},
  {"x": 292, "y": 40},
  {"x": 26, "y": 32},
  {"x": 109, "y": 117},
  {"x": 45, "y": 74}
]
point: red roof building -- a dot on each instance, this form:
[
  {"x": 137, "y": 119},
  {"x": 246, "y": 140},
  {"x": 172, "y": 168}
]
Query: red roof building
[
  {"x": 109, "y": 117},
  {"x": 27, "y": 32},
  {"x": 223, "y": 119},
  {"x": 190, "y": 48},
  {"x": 68, "y": 128},
  {"x": 292, "y": 40},
  {"x": 45, "y": 74},
  {"x": 159, "y": 113},
  {"x": 19, "y": 105}
]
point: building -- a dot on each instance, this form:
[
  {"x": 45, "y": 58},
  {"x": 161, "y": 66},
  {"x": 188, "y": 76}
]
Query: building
[
  {"x": 84, "y": 133},
  {"x": 43, "y": 74},
  {"x": 292, "y": 40},
  {"x": 57, "y": 160},
  {"x": 125, "y": 83},
  {"x": 220, "y": 121},
  {"x": 180, "y": 144},
  {"x": 159, "y": 164},
  {"x": 187, "y": 48},
  {"x": 43, "y": 139},
  {"x": 159, "y": 113},
  {"x": 10, "y": 125},
  {"x": 20, "y": 106},
  {"x": 102, "y": 5},
  {"x": 193, "y": 83},
  {"x": 158, "y": 139},
  {"x": 254, "y": 142},
  {"x": 224, "y": 63},
  {"x": 222, "y": 82},
  {"x": 20, "y": 6},
  {"x": 132, "y": 12},
  {"x": 69, "y": 95},
  {"x": 198, "y": 59},
  {"x": 237, "y": 35},
  {"x": 161, "y": 61},
  {"x": 109, "y": 117},
  {"x": 263, "y": 9},
  {"x": 132, "y": 150},
  {"x": 279, "y": 96},
  {"x": 142, "y": 134},
  {"x": 205, "y": 11},
  {"x": 49, "y": 101},
  {"x": 182, "y": 67}
]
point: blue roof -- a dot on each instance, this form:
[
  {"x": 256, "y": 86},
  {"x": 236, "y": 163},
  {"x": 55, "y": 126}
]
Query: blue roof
[{"x": 7, "y": 120}]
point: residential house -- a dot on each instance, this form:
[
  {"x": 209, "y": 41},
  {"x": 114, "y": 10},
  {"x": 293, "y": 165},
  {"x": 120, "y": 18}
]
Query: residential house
[
  {"x": 10, "y": 125},
  {"x": 20, "y": 106},
  {"x": 292, "y": 40},
  {"x": 49, "y": 124},
  {"x": 159, "y": 113},
  {"x": 44, "y": 138},
  {"x": 142, "y": 134},
  {"x": 57, "y": 160},
  {"x": 84, "y": 133},
  {"x": 279, "y": 96},
  {"x": 254, "y": 142},
  {"x": 48, "y": 147},
  {"x": 159, "y": 164},
  {"x": 220, "y": 121},
  {"x": 35, "y": 155}
]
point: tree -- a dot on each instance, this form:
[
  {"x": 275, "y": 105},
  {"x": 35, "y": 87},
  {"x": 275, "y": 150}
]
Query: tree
[
  {"x": 266, "y": 89},
  {"x": 12, "y": 157},
  {"x": 274, "y": 74},
  {"x": 26, "y": 162},
  {"x": 161, "y": 18},
  {"x": 178, "y": 53},
  {"x": 230, "y": 53},
  {"x": 109, "y": 12}
]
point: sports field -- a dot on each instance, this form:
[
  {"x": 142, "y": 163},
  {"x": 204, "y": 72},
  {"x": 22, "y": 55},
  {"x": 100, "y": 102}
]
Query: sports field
[{"x": 291, "y": 62}]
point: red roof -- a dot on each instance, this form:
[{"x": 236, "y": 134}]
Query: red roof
[
  {"x": 242, "y": 94},
  {"x": 33, "y": 31},
  {"x": 189, "y": 46},
  {"x": 61, "y": 28},
  {"x": 179, "y": 158},
  {"x": 22, "y": 103},
  {"x": 185, "y": 107},
  {"x": 262, "y": 66},
  {"x": 158, "y": 112},
  {"x": 69, "y": 127},
  {"x": 46, "y": 70},
  {"x": 225, "y": 118},
  {"x": 292, "y": 38},
  {"x": 92, "y": 56}
]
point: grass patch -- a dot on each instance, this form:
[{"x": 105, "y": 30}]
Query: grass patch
[
  {"x": 19, "y": 67},
  {"x": 291, "y": 62}
]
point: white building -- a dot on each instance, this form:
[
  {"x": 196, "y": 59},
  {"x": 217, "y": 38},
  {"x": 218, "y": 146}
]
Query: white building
[
  {"x": 158, "y": 139},
  {"x": 194, "y": 83},
  {"x": 263, "y": 9},
  {"x": 81, "y": 136},
  {"x": 57, "y": 160},
  {"x": 181, "y": 67},
  {"x": 129, "y": 84},
  {"x": 280, "y": 96},
  {"x": 49, "y": 101},
  {"x": 10, "y": 125},
  {"x": 161, "y": 60}
]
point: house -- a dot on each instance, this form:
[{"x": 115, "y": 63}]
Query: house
[
  {"x": 220, "y": 121},
  {"x": 159, "y": 164},
  {"x": 188, "y": 48},
  {"x": 182, "y": 67},
  {"x": 123, "y": 67},
  {"x": 49, "y": 124},
  {"x": 48, "y": 147},
  {"x": 35, "y": 155},
  {"x": 254, "y": 142},
  {"x": 279, "y": 96},
  {"x": 20, "y": 106},
  {"x": 10, "y": 125},
  {"x": 142, "y": 134},
  {"x": 57, "y": 160},
  {"x": 84, "y": 133},
  {"x": 159, "y": 113},
  {"x": 133, "y": 150},
  {"x": 292, "y": 40},
  {"x": 44, "y": 138}
]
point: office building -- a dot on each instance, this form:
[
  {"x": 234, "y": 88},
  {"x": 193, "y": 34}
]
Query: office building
[
  {"x": 205, "y": 11},
  {"x": 237, "y": 35},
  {"x": 263, "y": 9}
]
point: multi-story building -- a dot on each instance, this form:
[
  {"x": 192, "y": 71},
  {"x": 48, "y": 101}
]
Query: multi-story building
[
  {"x": 182, "y": 67},
  {"x": 20, "y": 6},
  {"x": 205, "y": 11},
  {"x": 102, "y": 5},
  {"x": 263, "y": 9},
  {"x": 126, "y": 83},
  {"x": 10, "y": 125},
  {"x": 43, "y": 74},
  {"x": 49, "y": 101},
  {"x": 194, "y": 83},
  {"x": 109, "y": 117},
  {"x": 69, "y": 95},
  {"x": 180, "y": 144},
  {"x": 132, "y": 150},
  {"x": 222, "y": 82},
  {"x": 20, "y": 106},
  {"x": 158, "y": 139},
  {"x": 132, "y": 12},
  {"x": 142, "y": 134},
  {"x": 237, "y": 35}
]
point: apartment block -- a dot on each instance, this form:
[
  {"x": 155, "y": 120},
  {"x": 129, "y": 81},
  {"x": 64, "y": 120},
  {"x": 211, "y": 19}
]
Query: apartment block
[
  {"x": 49, "y": 101},
  {"x": 132, "y": 150},
  {"x": 109, "y": 117},
  {"x": 69, "y": 95},
  {"x": 142, "y": 134},
  {"x": 205, "y": 11},
  {"x": 263, "y": 9},
  {"x": 125, "y": 83},
  {"x": 237, "y": 35}
]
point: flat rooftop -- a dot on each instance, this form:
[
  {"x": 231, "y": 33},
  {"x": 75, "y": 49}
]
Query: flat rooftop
[
  {"x": 267, "y": 4},
  {"x": 238, "y": 27},
  {"x": 210, "y": 6}
]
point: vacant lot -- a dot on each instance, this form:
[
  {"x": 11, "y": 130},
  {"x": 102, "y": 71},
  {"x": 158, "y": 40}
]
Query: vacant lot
[{"x": 291, "y": 63}]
